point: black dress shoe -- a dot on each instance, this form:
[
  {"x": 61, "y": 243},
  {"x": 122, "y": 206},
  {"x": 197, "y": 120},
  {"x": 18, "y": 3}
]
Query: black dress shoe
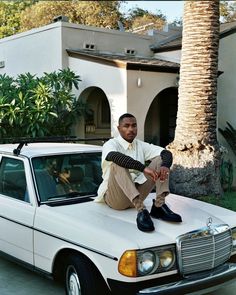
[
  {"x": 144, "y": 221},
  {"x": 164, "y": 213}
]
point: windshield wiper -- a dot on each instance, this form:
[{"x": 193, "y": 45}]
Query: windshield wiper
[
  {"x": 64, "y": 196},
  {"x": 70, "y": 195},
  {"x": 70, "y": 198}
]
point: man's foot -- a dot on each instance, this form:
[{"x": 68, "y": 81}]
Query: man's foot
[
  {"x": 164, "y": 213},
  {"x": 144, "y": 221}
]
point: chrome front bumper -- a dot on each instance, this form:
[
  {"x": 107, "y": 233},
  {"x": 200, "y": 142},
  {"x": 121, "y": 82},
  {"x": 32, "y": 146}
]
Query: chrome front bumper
[{"x": 195, "y": 282}]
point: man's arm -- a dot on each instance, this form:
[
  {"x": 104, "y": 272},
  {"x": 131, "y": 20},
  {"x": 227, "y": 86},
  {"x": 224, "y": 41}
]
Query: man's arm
[
  {"x": 129, "y": 163},
  {"x": 125, "y": 161},
  {"x": 167, "y": 158}
]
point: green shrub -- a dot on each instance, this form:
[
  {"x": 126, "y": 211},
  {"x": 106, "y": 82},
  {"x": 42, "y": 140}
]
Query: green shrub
[
  {"x": 33, "y": 106},
  {"x": 229, "y": 134}
]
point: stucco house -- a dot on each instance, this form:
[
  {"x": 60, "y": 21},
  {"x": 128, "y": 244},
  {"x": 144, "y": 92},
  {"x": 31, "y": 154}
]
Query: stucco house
[{"x": 120, "y": 72}]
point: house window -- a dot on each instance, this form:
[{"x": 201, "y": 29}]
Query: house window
[
  {"x": 98, "y": 116},
  {"x": 104, "y": 115},
  {"x": 89, "y": 122}
]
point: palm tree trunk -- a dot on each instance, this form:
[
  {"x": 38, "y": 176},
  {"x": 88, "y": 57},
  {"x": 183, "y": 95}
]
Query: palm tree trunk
[{"x": 195, "y": 148}]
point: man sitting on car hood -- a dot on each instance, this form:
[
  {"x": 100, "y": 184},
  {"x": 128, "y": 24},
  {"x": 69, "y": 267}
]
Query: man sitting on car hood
[{"x": 127, "y": 181}]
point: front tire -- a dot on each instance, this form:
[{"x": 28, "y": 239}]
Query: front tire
[{"x": 82, "y": 278}]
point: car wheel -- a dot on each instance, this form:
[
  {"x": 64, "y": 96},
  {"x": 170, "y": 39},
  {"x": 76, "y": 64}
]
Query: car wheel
[{"x": 82, "y": 278}]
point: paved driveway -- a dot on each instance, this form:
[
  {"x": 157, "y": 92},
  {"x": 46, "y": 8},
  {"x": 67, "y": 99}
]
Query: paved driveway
[{"x": 17, "y": 280}]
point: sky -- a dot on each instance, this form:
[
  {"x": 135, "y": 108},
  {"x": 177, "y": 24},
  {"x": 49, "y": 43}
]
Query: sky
[{"x": 171, "y": 9}]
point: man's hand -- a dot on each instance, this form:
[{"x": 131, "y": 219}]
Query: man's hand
[
  {"x": 163, "y": 174},
  {"x": 151, "y": 173}
]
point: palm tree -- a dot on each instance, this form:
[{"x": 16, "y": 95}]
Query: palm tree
[{"x": 195, "y": 147}]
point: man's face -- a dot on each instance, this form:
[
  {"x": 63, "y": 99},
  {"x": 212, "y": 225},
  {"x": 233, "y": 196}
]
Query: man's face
[{"x": 128, "y": 129}]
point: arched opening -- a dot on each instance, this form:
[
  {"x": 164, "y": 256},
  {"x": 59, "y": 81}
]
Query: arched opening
[
  {"x": 160, "y": 121},
  {"x": 97, "y": 117}
]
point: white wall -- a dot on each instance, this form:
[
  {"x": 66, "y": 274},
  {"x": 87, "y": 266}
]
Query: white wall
[
  {"x": 105, "y": 40},
  {"x": 227, "y": 90},
  {"x": 174, "y": 55},
  {"x": 111, "y": 80},
  {"x": 226, "y": 81},
  {"x": 44, "y": 49},
  {"x": 140, "y": 98},
  {"x": 35, "y": 51}
]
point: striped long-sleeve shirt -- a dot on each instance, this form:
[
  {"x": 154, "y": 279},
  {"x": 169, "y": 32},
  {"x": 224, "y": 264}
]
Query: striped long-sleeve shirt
[{"x": 129, "y": 163}]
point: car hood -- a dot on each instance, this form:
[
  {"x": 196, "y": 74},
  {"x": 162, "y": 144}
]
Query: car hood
[{"x": 101, "y": 228}]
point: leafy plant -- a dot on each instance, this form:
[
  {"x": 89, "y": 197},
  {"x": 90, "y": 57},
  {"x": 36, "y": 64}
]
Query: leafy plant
[
  {"x": 33, "y": 106},
  {"x": 229, "y": 134}
]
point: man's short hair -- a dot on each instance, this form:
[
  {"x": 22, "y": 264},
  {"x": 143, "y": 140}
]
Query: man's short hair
[{"x": 126, "y": 115}]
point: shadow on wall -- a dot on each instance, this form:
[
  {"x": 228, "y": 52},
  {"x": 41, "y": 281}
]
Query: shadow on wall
[
  {"x": 228, "y": 165},
  {"x": 160, "y": 121}
]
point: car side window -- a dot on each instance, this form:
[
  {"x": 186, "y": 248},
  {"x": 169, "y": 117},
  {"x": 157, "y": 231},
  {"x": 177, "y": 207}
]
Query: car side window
[{"x": 12, "y": 179}]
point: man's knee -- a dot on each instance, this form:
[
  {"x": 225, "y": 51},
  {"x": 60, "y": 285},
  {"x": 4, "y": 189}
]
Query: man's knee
[
  {"x": 156, "y": 163},
  {"x": 117, "y": 203}
]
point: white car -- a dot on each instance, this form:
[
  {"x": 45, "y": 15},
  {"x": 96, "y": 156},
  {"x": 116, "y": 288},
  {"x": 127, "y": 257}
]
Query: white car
[{"x": 49, "y": 222}]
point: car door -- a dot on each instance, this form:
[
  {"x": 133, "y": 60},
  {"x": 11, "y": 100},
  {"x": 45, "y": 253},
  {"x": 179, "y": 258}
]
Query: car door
[{"x": 16, "y": 209}]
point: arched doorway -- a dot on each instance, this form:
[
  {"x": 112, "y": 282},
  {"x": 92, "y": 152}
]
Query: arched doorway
[
  {"x": 97, "y": 117},
  {"x": 160, "y": 121}
]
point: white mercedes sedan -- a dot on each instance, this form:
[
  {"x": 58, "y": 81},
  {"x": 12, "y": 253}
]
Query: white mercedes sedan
[{"x": 50, "y": 223}]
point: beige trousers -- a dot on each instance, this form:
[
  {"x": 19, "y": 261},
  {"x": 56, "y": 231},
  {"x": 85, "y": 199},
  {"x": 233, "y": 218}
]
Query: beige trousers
[{"x": 123, "y": 193}]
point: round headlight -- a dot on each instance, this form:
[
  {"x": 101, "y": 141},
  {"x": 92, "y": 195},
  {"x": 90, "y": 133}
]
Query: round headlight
[
  {"x": 166, "y": 258},
  {"x": 234, "y": 238},
  {"x": 146, "y": 262}
]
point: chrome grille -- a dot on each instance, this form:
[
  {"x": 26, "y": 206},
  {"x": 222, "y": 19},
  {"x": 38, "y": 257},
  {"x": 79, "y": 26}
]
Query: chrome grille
[{"x": 204, "y": 249}]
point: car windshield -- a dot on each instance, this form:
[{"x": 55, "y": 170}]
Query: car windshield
[{"x": 67, "y": 176}]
